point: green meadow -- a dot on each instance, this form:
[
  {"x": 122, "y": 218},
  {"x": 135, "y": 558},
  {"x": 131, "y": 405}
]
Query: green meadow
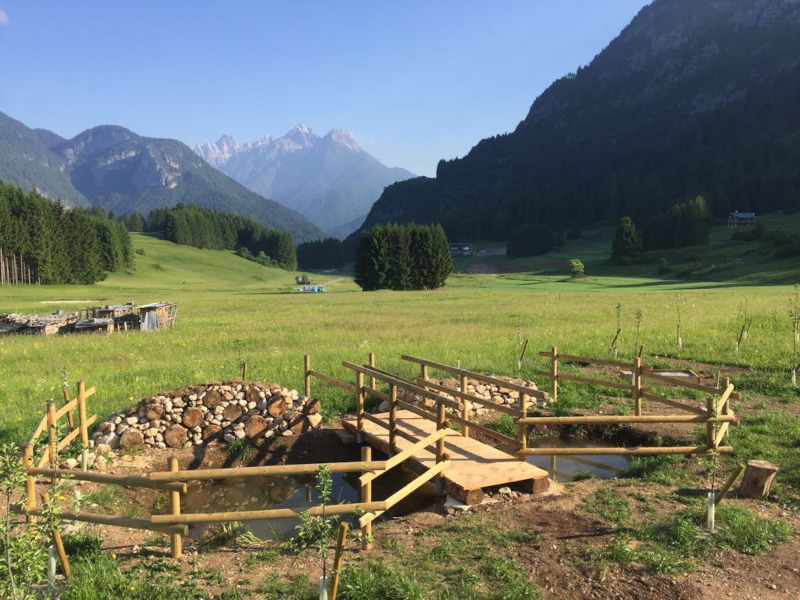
[{"x": 233, "y": 310}]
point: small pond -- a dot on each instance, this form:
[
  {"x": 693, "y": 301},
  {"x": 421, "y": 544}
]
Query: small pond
[
  {"x": 565, "y": 468},
  {"x": 298, "y": 491}
]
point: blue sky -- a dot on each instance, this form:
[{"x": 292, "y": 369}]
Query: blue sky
[{"x": 415, "y": 81}]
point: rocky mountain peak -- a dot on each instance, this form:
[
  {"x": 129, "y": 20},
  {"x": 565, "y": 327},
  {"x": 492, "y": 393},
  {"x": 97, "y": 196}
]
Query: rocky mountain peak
[{"x": 343, "y": 138}]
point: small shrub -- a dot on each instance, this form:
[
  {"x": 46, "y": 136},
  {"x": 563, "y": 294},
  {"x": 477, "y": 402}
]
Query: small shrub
[
  {"x": 373, "y": 580},
  {"x": 505, "y": 425},
  {"x": 141, "y": 252},
  {"x": 241, "y": 449},
  {"x": 576, "y": 268}
]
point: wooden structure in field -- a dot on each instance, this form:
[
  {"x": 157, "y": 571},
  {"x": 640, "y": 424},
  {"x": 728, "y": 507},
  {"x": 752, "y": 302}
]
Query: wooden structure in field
[
  {"x": 58, "y": 322},
  {"x": 158, "y": 315}
]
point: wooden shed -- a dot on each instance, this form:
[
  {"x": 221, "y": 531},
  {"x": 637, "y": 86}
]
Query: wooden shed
[
  {"x": 95, "y": 325},
  {"x": 158, "y": 315}
]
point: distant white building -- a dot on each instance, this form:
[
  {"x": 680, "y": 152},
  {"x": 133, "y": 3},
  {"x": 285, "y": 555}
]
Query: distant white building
[{"x": 741, "y": 219}]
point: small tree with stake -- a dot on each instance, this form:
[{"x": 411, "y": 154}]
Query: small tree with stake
[{"x": 794, "y": 315}]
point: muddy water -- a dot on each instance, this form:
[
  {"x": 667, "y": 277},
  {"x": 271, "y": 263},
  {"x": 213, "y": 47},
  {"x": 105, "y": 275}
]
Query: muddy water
[
  {"x": 564, "y": 468},
  {"x": 259, "y": 493}
]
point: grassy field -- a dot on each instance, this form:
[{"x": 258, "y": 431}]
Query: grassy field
[{"x": 231, "y": 310}]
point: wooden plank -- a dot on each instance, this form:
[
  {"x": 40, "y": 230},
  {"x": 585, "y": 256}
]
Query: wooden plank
[
  {"x": 301, "y": 469},
  {"x": 723, "y": 431},
  {"x": 272, "y": 513},
  {"x": 404, "y": 383},
  {"x": 123, "y": 480},
  {"x": 674, "y": 404},
  {"x": 38, "y": 431},
  {"x": 416, "y": 484},
  {"x": 417, "y": 410},
  {"x": 471, "y": 398},
  {"x": 473, "y": 465},
  {"x": 723, "y": 400},
  {"x": 331, "y": 381},
  {"x": 586, "y": 380},
  {"x": 75, "y": 433},
  {"x": 643, "y": 451},
  {"x": 66, "y": 408},
  {"x": 486, "y": 431},
  {"x": 479, "y": 376},
  {"x": 676, "y": 381},
  {"x": 593, "y": 361},
  {"x": 618, "y": 419}
]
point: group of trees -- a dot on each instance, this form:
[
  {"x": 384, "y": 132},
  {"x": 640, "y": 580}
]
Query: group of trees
[
  {"x": 206, "y": 228},
  {"x": 67, "y": 246},
  {"x": 329, "y": 253},
  {"x": 403, "y": 257}
]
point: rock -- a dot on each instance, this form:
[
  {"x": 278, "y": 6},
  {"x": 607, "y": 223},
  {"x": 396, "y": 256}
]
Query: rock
[
  {"x": 277, "y": 407},
  {"x": 100, "y": 463},
  {"x": 287, "y": 433},
  {"x": 111, "y": 440},
  {"x": 255, "y": 426},
  {"x": 152, "y": 432},
  {"x": 192, "y": 417},
  {"x": 232, "y": 412},
  {"x": 131, "y": 439},
  {"x": 384, "y": 406},
  {"x": 505, "y": 491},
  {"x": 132, "y": 420},
  {"x": 103, "y": 449},
  {"x": 252, "y": 394},
  {"x": 314, "y": 420},
  {"x": 212, "y": 399},
  {"x": 175, "y": 436},
  {"x": 71, "y": 463},
  {"x": 228, "y": 437},
  {"x": 269, "y": 434},
  {"x": 239, "y": 433}
]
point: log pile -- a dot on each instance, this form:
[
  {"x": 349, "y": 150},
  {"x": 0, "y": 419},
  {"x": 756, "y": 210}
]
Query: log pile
[
  {"x": 38, "y": 325},
  {"x": 497, "y": 394},
  {"x": 213, "y": 412}
]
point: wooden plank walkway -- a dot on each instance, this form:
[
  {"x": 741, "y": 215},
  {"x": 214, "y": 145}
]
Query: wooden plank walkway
[{"x": 473, "y": 464}]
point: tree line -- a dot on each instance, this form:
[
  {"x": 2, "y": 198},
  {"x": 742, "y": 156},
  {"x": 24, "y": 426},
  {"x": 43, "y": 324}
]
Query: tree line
[
  {"x": 206, "y": 228},
  {"x": 66, "y": 246},
  {"x": 403, "y": 257}
]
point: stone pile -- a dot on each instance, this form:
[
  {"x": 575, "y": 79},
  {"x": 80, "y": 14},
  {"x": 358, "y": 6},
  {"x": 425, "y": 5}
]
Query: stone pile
[
  {"x": 487, "y": 391},
  {"x": 210, "y": 413}
]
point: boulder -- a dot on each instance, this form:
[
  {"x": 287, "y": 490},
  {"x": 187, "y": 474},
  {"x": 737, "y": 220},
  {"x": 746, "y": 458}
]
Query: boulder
[
  {"x": 232, "y": 412},
  {"x": 277, "y": 407}
]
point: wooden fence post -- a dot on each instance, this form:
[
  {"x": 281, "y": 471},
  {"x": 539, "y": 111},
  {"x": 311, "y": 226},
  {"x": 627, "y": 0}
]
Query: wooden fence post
[
  {"x": 440, "y": 424},
  {"x": 371, "y": 364},
  {"x": 82, "y": 423},
  {"x": 175, "y": 505},
  {"x": 307, "y": 375},
  {"x": 423, "y": 372},
  {"x": 244, "y": 370},
  {"x": 464, "y": 410},
  {"x": 52, "y": 436},
  {"x": 70, "y": 416},
  {"x": 360, "y": 404},
  {"x": 637, "y": 385},
  {"x": 392, "y": 417},
  {"x": 554, "y": 375},
  {"x": 30, "y": 481},
  {"x": 711, "y": 442},
  {"x": 522, "y": 429},
  {"x": 337, "y": 559},
  {"x": 365, "y": 494}
]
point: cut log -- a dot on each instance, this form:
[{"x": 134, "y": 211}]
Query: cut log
[
  {"x": 232, "y": 412},
  {"x": 192, "y": 417},
  {"x": 252, "y": 394},
  {"x": 212, "y": 399},
  {"x": 255, "y": 426},
  {"x": 312, "y": 406},
  {"x": 132, "y": 438},
  {"x": 154, "y": 411},
  {"x": 277, "y": 407},
  {"x": 211, "y": 433},
  {"x": 175, "y": 436},
  {"x": 757, "y": 479}
]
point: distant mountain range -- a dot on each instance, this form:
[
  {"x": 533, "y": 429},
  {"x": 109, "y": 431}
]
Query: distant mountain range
[
  {"x": 330, "y": 180},
  {"x": 113, "y": 168},
  {"x": 693, "y": 97}
]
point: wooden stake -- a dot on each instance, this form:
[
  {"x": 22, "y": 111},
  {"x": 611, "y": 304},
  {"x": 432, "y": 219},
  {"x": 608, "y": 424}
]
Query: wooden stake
[
  {"x": 175, "y": 505},
  {"x": 52, "y": 438},
  {"x": 360, "y": 402},
  {"x": 82, "y": 414},
  {"x": 244, "y": 371},
  {"x": 710, "y": 434},
  {"x": 522, "y": 429},
  {"x": 554, "y": 375},
  {"x": 59, "y": 543},
  {"x": 637, "y": 385},
  {"x": 307, "y": 375},
  {"x": 727, "y": 485},
  {"x": 464, "y": 410},
  {"x": 337, "y": 559},
  {"x": 392, "y": 417},
  {"x": 70, "y": 416},
  {"x": 440, "y": 424},
  {"x": 365, "y": 495},
  {"x": 30, "y": 481},
  {"x": 371, "y": 379}
]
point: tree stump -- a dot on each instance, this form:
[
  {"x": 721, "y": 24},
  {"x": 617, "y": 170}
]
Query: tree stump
[
  {"x": 212, "y": 399},
  {"x": 154, "y": 411},
  {"x": 757, "y": 479},
  {"x": 132, "y": 438},
  {"x": 211, "y": 433},
  {"x": 192, "y": 417},
  {"x": 312, "y": 406},
  {"x": 175, "y": 436},
  {"x": 232, "y": 412},
  {"x": 252, "y": 395}
]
